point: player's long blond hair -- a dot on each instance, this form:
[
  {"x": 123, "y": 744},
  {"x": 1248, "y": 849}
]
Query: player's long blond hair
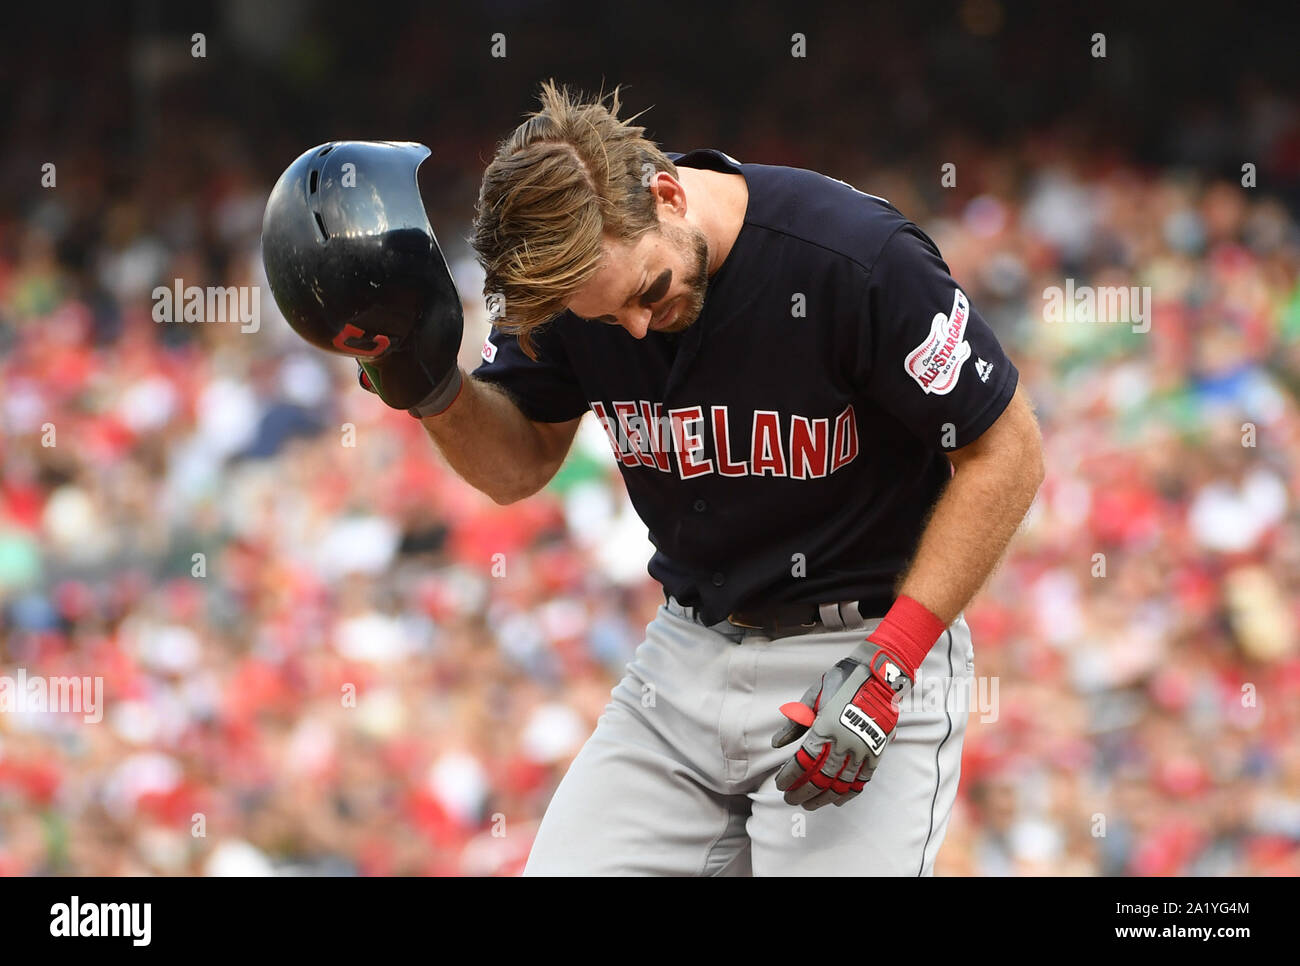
[{"x": 569, "y": 175}]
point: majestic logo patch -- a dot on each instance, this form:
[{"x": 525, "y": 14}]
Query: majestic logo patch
[
  {"x": 982, "y": 369},
  {"x": 863, "y": 727},
  {"x": 489, "y": 350},
  {"x": 936, "y": 363}
]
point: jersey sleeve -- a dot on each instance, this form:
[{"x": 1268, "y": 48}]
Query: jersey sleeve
[
  {"x": 545, "y": 389},
  {"x": 925, "y": 355}
]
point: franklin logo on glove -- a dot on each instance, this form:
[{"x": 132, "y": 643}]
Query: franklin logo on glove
[{"x": 872, "y": 735}]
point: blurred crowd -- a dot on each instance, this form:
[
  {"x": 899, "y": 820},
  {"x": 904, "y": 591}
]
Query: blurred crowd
[{"x": 325, "y": 654}]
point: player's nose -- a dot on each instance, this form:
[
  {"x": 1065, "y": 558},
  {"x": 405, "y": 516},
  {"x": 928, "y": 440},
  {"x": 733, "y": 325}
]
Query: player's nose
[{"x": 637, "y": 322}]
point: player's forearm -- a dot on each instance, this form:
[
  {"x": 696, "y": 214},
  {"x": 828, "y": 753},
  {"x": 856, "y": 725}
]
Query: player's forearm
[
  {"x": 491, "y": 444},
  {"x": 971, "y": 526}
]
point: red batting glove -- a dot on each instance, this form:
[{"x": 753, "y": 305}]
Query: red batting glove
[{"x": 850, "y": 715}]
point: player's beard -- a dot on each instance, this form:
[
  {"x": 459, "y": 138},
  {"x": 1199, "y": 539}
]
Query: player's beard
[{"x": 695, "y": 252}]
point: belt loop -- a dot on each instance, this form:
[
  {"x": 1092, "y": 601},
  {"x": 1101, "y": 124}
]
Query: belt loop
[
  {"x": 831, "y": 618},
  {"x": 852, "y": 615}
]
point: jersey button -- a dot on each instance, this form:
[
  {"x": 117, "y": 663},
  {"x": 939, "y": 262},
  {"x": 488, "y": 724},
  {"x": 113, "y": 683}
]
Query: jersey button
[
  {"x": 719, "y": 580},
  {"x": 700, "y": 506}
]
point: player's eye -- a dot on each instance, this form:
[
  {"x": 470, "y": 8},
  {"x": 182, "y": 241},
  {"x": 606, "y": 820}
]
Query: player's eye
[
  {"x": 646, "y": 296},
  {"x": 604, "y": 319},
  {"x": 657, "y": 290}
]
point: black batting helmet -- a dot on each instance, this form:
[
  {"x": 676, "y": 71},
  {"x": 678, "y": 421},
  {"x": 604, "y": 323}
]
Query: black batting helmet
[{"x": 351, "y": 257}]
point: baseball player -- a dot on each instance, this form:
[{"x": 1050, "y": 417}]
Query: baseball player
[{"x": 825, "y": 440}]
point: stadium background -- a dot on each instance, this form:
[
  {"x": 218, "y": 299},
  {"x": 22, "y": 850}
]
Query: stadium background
[{"x": 1121, "y": 707}]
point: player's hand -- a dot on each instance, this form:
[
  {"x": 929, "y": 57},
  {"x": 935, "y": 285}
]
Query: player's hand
[
  {"x": 403, "y": 381},
  {"x": 420, "y": 374},
  {"x": 848, "y": 717}
]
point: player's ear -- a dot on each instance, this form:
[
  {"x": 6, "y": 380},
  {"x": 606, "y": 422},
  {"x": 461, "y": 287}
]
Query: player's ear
[{"x": 670, "y": 196}]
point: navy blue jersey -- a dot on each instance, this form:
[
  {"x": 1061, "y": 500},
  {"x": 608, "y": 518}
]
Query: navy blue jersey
[{"x": 788, "y": 446}]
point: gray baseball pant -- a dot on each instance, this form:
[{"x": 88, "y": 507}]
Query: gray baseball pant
[{"x": 678, "y": 777}]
